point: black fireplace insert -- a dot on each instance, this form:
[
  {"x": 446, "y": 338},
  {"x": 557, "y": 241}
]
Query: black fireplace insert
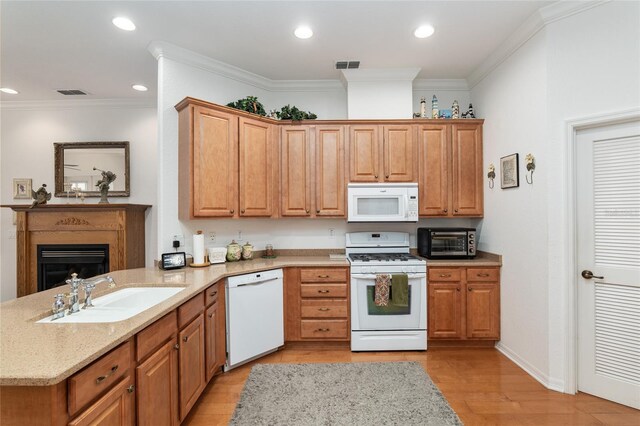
[{"x": 56, "y": 262}]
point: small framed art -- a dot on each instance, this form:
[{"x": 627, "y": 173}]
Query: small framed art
[
  {"x": 22, "y": 189},
  {"x": 509, "y": 174}
]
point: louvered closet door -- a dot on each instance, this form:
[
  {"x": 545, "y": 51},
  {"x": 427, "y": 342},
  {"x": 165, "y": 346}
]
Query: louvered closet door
[{"x": 608, "y": 172}]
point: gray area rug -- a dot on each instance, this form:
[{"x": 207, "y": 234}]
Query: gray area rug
[{"x": 380, "y": 393}]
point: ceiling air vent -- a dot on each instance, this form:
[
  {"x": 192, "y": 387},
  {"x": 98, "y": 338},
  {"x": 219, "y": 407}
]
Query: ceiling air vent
[
  {"x": 71, "y": 92},
  {"x": 343, "y": 65}
]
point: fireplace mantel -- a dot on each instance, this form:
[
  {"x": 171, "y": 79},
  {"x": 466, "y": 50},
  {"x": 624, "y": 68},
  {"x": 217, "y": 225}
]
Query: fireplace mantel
[{"x": 121, "y": 226}]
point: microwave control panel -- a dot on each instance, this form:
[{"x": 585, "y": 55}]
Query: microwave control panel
[{"x": 412, "y": 208}]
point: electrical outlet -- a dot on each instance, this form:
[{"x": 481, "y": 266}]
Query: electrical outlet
[
  {"x": 239, "y": 235},
  {"x": 332, "y": 233},
  {"x": 211, "y": 237},
  {"x": 179, "y": 238}
]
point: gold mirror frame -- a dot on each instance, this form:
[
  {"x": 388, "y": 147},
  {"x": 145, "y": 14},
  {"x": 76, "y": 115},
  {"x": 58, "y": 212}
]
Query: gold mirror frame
[{"x": 61, "y": 147}]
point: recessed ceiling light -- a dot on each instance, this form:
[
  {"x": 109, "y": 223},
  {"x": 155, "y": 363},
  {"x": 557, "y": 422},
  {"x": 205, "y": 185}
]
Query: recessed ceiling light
[
  {"x": 303, "y": 32},
  {"x": 139, "y": 87},
  {"x": 124, "y": 23},
  {"x": 9, "y": 91},
  {"x": 424, "y": 31}
]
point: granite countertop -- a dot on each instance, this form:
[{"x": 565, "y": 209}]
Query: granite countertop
[{"x": 34, "y": 354}]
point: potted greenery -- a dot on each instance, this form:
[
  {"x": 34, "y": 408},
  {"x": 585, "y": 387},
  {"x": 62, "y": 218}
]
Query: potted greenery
[
  {"x": 249, "y": 104},
  {"x": 288, "y": 112}
]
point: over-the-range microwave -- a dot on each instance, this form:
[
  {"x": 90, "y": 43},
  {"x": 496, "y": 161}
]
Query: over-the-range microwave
[{"x": 382, "y": 202}]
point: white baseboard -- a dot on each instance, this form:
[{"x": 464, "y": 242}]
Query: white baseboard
[{"x": 546, "y": 381}]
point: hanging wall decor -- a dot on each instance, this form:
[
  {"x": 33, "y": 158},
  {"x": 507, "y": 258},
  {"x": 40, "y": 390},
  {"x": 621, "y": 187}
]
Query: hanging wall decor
[
  {"x": 509, "y": 176},
  {"x": 491, "y": 175},
  {"x": 531, "y": 166}
]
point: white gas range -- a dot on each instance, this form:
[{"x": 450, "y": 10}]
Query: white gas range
[{"x": 391, "y": 327}]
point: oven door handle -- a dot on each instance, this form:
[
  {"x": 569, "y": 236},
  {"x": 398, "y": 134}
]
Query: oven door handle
[{"x": 411, "y": 276}]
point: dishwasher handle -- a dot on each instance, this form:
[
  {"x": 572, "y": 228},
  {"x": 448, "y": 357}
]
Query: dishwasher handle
[{"x": 262, "y": 281}]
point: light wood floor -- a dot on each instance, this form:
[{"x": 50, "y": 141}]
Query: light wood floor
[{"x": 482, "y": 386}]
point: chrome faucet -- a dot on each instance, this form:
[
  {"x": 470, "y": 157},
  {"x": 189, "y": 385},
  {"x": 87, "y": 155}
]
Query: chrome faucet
[{"x": 88, "y": 286}]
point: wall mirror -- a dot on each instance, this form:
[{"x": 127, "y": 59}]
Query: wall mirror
[{"x": 79, "y": 166}]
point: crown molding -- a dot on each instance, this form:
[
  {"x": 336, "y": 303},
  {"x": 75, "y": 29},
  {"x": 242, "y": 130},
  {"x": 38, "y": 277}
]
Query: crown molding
[
  {"x": 78, "y": 103},
  {"x": 536, "y": 22},
  {"x": 161, "y": 49},
  {"x": 452, "y": 84}
]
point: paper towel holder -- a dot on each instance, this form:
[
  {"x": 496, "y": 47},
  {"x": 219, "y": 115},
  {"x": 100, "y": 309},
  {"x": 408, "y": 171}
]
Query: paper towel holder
[{"x": 174, "y": 260}]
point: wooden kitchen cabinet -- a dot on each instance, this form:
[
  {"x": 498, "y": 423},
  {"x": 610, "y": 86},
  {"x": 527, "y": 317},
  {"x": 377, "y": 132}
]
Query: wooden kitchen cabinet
[
  {"x": 382, "y": 153},
  {"x": 116, "y": 408},
  {"x": 191, "y": 357},
  {"x": 215, "y": 331},
  {"x": 157, "y": 372},
  {"x": 317, "y": 304},
  {"x": 312, "y": 177},
  {"x": 450, "y": 169},
  {"x": 257, "y": 167},
  {"x": 463, "y": 303},
  {"x": 226, "y": 162}
]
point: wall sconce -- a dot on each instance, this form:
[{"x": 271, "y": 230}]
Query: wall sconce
[
  {"x": 491, "y": 175},
  {"x": 531, "y": 166}
]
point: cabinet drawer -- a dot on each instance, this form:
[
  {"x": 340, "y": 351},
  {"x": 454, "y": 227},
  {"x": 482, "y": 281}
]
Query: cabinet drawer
[
  {"x": 211, "y": 294},
  {"x": 324, "y": 275},
  {"x": 483, "y": 274},
  {"x": 324, "y": 329},
  {"x": 324, "y": 308},
  {"x": 190, "y": 309},
  {"x": 323, "y": 290},
  {"x": 98, "y": 377},
  {"x": 444, "y": 274},
  {"x": 155, "y": 335}
]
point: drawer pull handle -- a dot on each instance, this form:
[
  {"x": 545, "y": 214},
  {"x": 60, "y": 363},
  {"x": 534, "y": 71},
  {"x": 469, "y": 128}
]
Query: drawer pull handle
[
  {"x": 483, "y": 275},
  {"x": 445, "y": 275},
  {"x": 185, "y": 338},
  {"x": 323, "y": 291},
  {"x": 105, "y": 377},
  {"x": 323, "y": 276},
  {"x": 323, "y": 330},
  {"x": 213, "y": 293},
  {"x": 130, "y": 389},
  {"x": 324, "y": 309}
]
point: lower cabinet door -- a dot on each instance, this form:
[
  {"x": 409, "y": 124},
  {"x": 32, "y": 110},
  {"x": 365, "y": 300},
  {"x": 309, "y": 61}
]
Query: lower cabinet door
[
  {"x": 483, "y": 310},
  {"x": 191, "y": 359},
  {"x": 157, "y": 380},
  {"x": 115, "y": 408},
  {"x": 445, "y": 308},
  {"x": 210, "y": 327}
]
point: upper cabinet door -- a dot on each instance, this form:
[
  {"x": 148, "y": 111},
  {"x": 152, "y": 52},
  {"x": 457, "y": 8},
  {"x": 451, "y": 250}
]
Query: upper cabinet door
[
  {"x": 295, "y": 169},
  {"x": 258, "y": 151},
  {"x": 214, "y": 162},
  {"x": 364, "y": 153},
  {"x": 399, "y": 153},
  {"x": 330, "y": 174},
  {"x": 467, "y": 169},
  {"x": 433, "y": 169}
]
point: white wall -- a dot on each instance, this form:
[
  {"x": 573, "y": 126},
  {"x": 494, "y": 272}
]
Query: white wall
[
  {"x": 581, "y": 65},
  {"x": 27, "y": 138},
  {"x": 513, "y": 101}
]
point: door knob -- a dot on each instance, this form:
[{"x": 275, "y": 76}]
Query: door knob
[{"x": 588, "y": 275}]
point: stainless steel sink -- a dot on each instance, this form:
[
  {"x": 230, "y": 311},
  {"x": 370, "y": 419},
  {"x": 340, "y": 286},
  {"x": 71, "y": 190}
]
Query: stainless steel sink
[{"x": 119, "y": 305}]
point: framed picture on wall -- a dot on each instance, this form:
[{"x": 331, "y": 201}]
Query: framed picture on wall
[
  {"x": 509, "y": 174},
  {"x": 22, "y": 189}
]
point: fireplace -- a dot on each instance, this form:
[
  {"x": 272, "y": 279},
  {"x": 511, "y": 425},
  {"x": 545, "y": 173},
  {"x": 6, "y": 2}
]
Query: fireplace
[{"x": 56, "y": 262}]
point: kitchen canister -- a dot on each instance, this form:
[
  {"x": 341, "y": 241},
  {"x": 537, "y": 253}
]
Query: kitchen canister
[
  {"x": 234, "y": 251},
  {"x": 247, "y": 251}
]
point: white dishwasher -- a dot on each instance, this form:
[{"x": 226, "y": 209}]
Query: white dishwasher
[{"x": 255, "y": 316}]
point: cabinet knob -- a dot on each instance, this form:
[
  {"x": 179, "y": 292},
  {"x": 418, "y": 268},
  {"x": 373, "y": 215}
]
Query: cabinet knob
[
  {"x": 242, "y": 211},
  {"x": 308, "y": 210},
  {"x": 231, "y": 211},
  {"x": 469, "y": 289},
  {"x": 211, "y": 315},
  {"x": 130, "y": 389},
  {"x": 375, "y": 176},
  {"x": 457, "y": 288},
  {"x": 446, "y": 210},
  {"x": 185, "y": 338},
  {"x": 318, "y": 211},
  {"x": 456, "y": 210},
  {"x": 176, "y": 346},
  {"x": 387, "y": 176}
]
